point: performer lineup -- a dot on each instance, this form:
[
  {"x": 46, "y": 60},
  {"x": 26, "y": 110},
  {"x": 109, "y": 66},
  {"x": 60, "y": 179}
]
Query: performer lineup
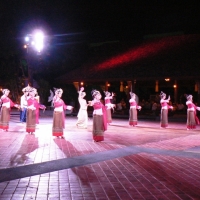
[{"x": 102, "y": 112}]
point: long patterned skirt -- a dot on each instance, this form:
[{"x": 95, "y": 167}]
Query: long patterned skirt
[
  {"x": 164, "y": 118},
  {"x": 30, "y": 121},
  {"x": 5, "y": 118},
  {"x": 57, "y": 129},
  {"x": 82, "y": 119},
  {"x": 191, "y": 123},
  {"x": 109, "y": 116},
  {"x": 98, "y": 128},
  {"x": 133, "y": 117}
]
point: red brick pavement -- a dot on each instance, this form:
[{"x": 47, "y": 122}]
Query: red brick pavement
[{"x": 152, "y": 173}]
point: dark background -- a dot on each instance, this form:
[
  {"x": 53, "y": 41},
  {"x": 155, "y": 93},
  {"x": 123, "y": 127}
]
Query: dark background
[{"x": 96, "y": 20}]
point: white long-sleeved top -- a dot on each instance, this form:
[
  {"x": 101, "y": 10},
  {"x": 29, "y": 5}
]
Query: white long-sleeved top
[{"x": 23, "y": 102}]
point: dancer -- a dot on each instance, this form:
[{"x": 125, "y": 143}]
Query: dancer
[
  {"x": 59, "y": 114},
  {"x": 33, "y": 105},
  {"x": 109, "y": 106},
  {"x": 6, "y": 105},
  {"x": 99, "y": 117},
  {"x": 192, "y": 119},
  {"x": 133, "y": 110},
  {"x": 82, "y": 113},
  {"x": 164, "y": 110},
  {"x": 23, "y": 103}
]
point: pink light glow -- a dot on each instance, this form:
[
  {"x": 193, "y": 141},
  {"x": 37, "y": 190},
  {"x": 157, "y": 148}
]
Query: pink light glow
[{"x": 144, "y": 51}]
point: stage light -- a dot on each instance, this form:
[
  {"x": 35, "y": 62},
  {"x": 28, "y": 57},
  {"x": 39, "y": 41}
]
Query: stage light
[
  {"x": 27, "y": 38},
  {"x": 38, "y": 41},
  {"x": 34, "y": 44},
  {"x": 147, "y": 50},
  {"x": 35, "y": 40}
]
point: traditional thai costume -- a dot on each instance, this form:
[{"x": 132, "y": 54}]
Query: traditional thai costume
[
  {"x": 99, "y": 117},
  {"x": 6, "y": 104},
  {"x": 82, "y": 113},
  {"x": 32, "y": 106},
  {"x": 108, "y": 106},
  {"x": 192, "y": 119},
  {"x": 31, "y": 117},
  {"x": 59, "y": 115},
  {"x": 164, "y": 110},
  {"x": 133, "y": 119}
]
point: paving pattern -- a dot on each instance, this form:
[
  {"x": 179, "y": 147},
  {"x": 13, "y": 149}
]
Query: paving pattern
[{"x": 143, "y": 162}]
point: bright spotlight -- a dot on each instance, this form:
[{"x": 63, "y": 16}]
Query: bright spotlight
[
  {"x": 39, "y": 40},
  {"x": 36, "y": 40},
  {"x": 27, "y": 39}
]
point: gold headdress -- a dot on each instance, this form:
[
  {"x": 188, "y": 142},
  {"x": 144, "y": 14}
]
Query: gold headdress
[
  {"x": 4, "y": 90},
  {"x": 162, "y": 94},
  {"x": 58, "y": 91},
  {"x": 95, "y": 92},
  {"x": 107, "y": 93},
  {"x": 189, "y": 96},
  {"x": 26, "y": 89}
]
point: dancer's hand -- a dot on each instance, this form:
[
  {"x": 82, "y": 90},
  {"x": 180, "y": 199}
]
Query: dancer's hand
[{"x": 70, "y": 107}]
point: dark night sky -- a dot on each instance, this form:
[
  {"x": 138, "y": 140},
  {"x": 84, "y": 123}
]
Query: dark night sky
[
  {"x": 98, "y": 20},
  {"x": 72, "y": 24}
]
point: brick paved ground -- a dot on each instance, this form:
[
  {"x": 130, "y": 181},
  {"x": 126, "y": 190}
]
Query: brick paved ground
[{"x": 143, "y": 162}]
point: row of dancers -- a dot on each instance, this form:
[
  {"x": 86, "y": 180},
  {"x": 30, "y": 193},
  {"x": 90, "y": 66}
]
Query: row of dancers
[
  {"x": 102, "y": 114},
  {"x": 192, "y": 119},
  {"x": 29, "y": 109}
]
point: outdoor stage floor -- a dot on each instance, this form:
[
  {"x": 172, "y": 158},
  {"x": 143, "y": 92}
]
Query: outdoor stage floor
[{"x": 143, "y": 162}]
